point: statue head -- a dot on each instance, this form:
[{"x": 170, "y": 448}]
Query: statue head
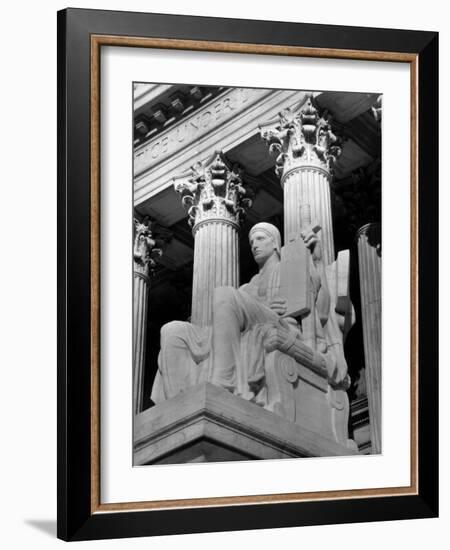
[{"x": 265, "y": 240}]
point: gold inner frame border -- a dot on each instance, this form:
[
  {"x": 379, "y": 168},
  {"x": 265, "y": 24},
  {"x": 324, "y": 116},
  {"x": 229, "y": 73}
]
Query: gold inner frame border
[{"x": 97, "y": 41}]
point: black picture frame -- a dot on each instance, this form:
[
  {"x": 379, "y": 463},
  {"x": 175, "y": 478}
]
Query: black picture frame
[{"x": 78, "y": 511}]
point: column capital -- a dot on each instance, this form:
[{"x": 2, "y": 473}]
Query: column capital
[
  {"x": 144, "y": 249},
  {"x": 214, "y": 191},
  {"x": 302, "y": 135}
]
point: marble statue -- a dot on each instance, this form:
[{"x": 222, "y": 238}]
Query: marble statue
[
  {"x": 293, "y": 367},
  {"x": 230, "y": 353}
]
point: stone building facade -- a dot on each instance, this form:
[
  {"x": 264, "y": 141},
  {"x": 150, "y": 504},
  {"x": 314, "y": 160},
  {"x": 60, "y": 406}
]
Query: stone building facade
[{"x": 209, "y": 164}]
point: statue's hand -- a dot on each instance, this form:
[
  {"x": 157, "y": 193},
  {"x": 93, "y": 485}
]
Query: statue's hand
[
  {"x": 278, "y": 305},
  {"x": 312, "y": 242}
]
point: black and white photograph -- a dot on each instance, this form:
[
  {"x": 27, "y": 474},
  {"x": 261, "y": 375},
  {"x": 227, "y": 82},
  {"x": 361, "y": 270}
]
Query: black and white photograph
[
  {"x": 222, "y": 290},
  {"x": 256, "y": 257}
]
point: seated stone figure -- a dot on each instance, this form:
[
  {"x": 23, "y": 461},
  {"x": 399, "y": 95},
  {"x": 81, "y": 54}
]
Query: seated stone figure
[
  {"x": 231, "y": 352},
  {"x": 250, "y": 321},
  {"x": 294, "y": 368}
]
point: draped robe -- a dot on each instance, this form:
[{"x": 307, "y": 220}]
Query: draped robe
[{"x": 230, "y": 353}]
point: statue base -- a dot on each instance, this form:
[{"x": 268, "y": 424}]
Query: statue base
[{"x": 209, "y": 424}]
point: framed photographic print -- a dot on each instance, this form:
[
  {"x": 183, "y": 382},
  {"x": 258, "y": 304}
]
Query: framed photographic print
[{"x": 247, "y": 274}]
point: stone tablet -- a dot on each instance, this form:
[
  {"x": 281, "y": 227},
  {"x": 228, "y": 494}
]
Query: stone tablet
[{"x": 294, "y": 278}]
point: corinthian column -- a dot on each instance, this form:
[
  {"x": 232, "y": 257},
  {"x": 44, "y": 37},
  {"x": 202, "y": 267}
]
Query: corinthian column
[
  {"x": 144, "y": 249},
  {"x": 306, "y": 150},
  {"x": 216, "y": 198},
  {"x": 369, "y": 258}
]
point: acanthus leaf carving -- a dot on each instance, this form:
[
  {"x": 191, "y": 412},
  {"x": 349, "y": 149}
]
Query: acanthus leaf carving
[
  {"x": 145, "y": 248},
  {"x": 302, "y": 135},
  {"x": 214, "y": 190}
]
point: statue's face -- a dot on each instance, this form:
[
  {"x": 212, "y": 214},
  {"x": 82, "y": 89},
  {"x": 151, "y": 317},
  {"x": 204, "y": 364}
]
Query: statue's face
[{"x": 262, "y": 246}]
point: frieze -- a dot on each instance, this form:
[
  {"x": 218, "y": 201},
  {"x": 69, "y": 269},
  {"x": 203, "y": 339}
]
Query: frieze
[{"x": 193, "y": 127}]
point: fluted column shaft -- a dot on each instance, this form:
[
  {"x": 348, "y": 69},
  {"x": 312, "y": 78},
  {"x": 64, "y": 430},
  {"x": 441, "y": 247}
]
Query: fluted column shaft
[
  {"x": 308, "y": 185},
  {"x": 216, "y": 198},
  {"x": 369, "y": 259},
  {"x": 306, "y": 149},
  {"x": 216, "y": 263},
  {"x": 143, "y": 253},
  {"x": 140, "y": 308}
]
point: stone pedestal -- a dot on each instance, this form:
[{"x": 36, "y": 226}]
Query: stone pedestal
[
  {"x": 214, "y": 193},
  {"x": 207, "y": 424},
  {"x": 306, "y": 149},
  {"x": 144, "y": 249},
  {"x": 369, "y": 258}
]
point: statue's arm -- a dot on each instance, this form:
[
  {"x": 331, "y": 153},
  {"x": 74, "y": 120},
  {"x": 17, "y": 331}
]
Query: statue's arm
[
  {"x": 323, "y": 297},
  {"x": 323, "y": 300}
]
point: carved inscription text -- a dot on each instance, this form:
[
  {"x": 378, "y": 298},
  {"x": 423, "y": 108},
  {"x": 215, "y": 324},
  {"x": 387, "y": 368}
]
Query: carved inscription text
[{"x": 192, "y": 128}]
